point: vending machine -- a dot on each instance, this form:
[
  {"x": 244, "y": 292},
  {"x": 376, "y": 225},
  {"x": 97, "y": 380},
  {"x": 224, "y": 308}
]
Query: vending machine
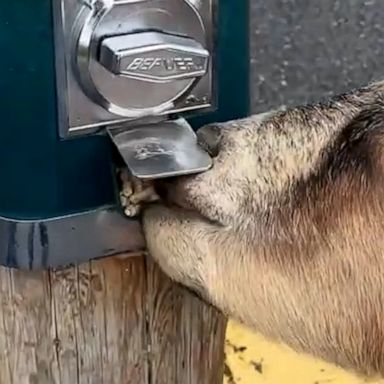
[{"x": 86, "y": 82}]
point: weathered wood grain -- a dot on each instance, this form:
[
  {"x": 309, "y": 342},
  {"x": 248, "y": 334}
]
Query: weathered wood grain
[
  {"x": 187, "y": 335},
  {"x": 113, "y": 321},
  {"x": 100, "y": 322}
]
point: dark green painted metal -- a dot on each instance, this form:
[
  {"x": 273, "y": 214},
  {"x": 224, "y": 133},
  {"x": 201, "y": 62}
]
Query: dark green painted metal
[
  {"x": 233, "y": 64},
  {"x": 43, "y": 176}
]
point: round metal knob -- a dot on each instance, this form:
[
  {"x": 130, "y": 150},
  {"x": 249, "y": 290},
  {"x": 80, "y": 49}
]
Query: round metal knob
[{"x": 138, "y": 58}]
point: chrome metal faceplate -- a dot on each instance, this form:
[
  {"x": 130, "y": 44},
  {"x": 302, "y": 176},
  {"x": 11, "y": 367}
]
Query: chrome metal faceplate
[{"x": 102, "y": 82}]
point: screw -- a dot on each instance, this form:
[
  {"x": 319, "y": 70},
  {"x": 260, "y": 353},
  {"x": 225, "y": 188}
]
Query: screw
[{"x": 192, "y": 99}]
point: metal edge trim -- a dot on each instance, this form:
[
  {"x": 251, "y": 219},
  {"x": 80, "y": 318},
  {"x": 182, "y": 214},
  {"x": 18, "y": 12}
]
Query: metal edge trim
[{"x": 70, "y": 240}]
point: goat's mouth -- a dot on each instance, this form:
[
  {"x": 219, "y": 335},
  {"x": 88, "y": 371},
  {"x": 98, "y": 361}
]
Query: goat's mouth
[
  {"x": 167, "y": 194},
  {"x": 170, "y": 197}
]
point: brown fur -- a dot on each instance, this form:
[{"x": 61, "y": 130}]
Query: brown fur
[{"x": 286, "y": 232}]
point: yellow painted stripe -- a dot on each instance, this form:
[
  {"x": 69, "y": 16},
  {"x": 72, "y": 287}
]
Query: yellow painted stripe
[{"x": 251, "y": 359}]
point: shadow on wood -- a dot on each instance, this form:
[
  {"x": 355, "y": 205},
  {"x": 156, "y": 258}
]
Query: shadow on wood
[{"x": 113, "y": 321}]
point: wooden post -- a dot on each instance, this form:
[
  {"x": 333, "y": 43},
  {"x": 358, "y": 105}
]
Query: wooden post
[{"x": 113, "y": 321}]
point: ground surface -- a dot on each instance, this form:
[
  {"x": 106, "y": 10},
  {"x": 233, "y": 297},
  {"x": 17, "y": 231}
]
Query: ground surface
[{"x": 250, "y": 359}]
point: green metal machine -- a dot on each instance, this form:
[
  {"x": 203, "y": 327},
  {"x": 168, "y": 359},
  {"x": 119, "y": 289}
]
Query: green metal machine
[{"x": 74, "y": 70}]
